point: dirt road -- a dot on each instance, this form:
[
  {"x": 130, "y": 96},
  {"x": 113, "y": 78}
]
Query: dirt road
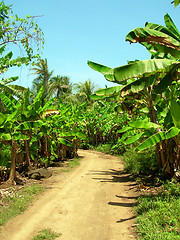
[{"x": 92, "y": 202}]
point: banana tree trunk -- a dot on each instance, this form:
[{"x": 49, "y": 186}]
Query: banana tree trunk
[
  {"x": 13, "y": 161},
  {"x": 28, "y": 160},
  {"x": 154, "y": 119}
]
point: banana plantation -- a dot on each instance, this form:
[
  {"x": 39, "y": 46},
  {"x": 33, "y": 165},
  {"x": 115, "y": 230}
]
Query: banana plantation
[{"x": 50, "y": 121}]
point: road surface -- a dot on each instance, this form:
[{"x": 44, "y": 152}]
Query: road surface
[{"x": 92, "y": 202}]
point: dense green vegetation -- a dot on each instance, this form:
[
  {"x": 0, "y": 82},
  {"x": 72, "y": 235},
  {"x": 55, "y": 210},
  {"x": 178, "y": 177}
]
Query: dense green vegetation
[
  {"x": 138, "y": 118},
  {"x": 158, "y": 213}
]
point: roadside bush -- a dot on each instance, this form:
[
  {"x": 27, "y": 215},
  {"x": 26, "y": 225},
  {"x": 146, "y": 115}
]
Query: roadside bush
[{"x": 143, "y": 163}]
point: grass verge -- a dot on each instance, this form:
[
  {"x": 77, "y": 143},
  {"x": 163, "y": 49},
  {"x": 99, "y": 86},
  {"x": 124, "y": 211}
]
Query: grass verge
[
  {"x": 71, "y": 164},
  {"x": 46, "y": 234},
  {"x": 16, "y": 202},
  {"x": 159, "y": 214}
]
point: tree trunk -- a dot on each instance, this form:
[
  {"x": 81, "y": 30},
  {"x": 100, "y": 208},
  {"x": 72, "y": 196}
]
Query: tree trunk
[
  {"x": 160, "y": 145},
  {"x": 28, "y": 160},
  {"x": 13, "y": 161}
]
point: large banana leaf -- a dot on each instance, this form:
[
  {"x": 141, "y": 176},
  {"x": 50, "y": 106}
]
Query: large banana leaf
[
  {"x": 143, "y": 68},
  {"x": 7, "y": 101},
  {"x": 137, "y": 85},
  {"x": 135, "y": 70},
  {"x": 96, "y": 97},
  {"x": 151, "y": 141},
  {"x": 158, "y": 38},
  {"x": 158, "y": 137},
  {"x": 109, "y": 91},
  {"x": 9, "y": 80},
  {"x": 106, "y": 71}
]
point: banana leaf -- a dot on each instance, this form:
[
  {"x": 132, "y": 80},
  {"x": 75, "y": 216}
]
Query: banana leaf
[
  {"x": 106, "y": 71},
  {"x": 172, "y": 132},
  {"x": 144, "y": 124},
  {"x": 176, "y": 2},
  {"x": 136, "y": 69},
  {"x": 134, "y": 138},
  {"x": 20, "y": 136},
  {"x": 64, "y": 141},
  {"x": 171, "y": 26},
  {"x": 151, "y": 141},
  {"x": 2, "y": 118},
  {"x": 124, "y": 129},
  {"x": 144, "y": 68},
  {"x": 175, "y": 113},
  {"x": 5, "y": 137},
  {"x": 158, "y": 38}
]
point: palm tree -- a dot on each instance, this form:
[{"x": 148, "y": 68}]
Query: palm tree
[
  {"x": 84, "y": 91},
  {"x": 60, "y": 86},
  {"x": 41, "y": 69}
]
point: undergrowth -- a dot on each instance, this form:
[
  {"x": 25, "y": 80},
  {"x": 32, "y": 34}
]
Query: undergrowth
[
  {"x": 140, "y": 163},
  {"x": 17, "y": 202},
  {"x": 158, "y": 215}
]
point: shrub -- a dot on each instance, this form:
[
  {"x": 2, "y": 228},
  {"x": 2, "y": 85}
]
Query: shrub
[{"x": 144, "y": 162}]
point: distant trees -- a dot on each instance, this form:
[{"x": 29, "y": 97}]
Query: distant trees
[
  {"x": 43, "y": 76},
  {"x": 61, "y": 87},
  {"x": 84, "y": 91}
]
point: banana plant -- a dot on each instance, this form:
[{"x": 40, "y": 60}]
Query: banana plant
[{"x": 147, "y": 81}]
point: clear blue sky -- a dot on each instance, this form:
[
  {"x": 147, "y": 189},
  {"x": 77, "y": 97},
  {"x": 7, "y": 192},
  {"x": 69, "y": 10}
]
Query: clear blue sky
[{"x": 80, "y": 30}]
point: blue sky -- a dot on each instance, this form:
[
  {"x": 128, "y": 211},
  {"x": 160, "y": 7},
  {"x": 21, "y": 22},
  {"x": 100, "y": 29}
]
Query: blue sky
[{"x": 80, "y": 30}]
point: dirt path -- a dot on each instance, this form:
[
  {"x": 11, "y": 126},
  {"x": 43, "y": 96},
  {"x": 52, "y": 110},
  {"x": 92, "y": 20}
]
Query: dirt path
[{"x": 92, "y": 202}]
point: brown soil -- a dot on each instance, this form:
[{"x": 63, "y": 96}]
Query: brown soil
[{"x": 92, "y": 202}]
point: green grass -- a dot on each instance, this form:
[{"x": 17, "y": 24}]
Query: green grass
[
  {"x": 71, "y": 164},
  {"x": 46, "y": 234},
  {"x": 17, "y": 202},
  {"x": 158, "y": 215},
  {"x": 105, "y": 148},
  {"x": 74, "y": 162}
]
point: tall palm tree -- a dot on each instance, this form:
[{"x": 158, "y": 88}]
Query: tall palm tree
[
  {"x": 84, "y": 91},
  {"x": 60, "y": 86},
  {"x": 43, "y": 76}
]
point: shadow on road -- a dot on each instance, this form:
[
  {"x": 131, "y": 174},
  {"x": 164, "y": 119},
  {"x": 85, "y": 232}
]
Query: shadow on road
[
  {"x": 113, "y": 176},
  {"x": 116, "y": 176},
  {"x": 122, "y": 204},
  {"x": 125, "y": 219}
]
